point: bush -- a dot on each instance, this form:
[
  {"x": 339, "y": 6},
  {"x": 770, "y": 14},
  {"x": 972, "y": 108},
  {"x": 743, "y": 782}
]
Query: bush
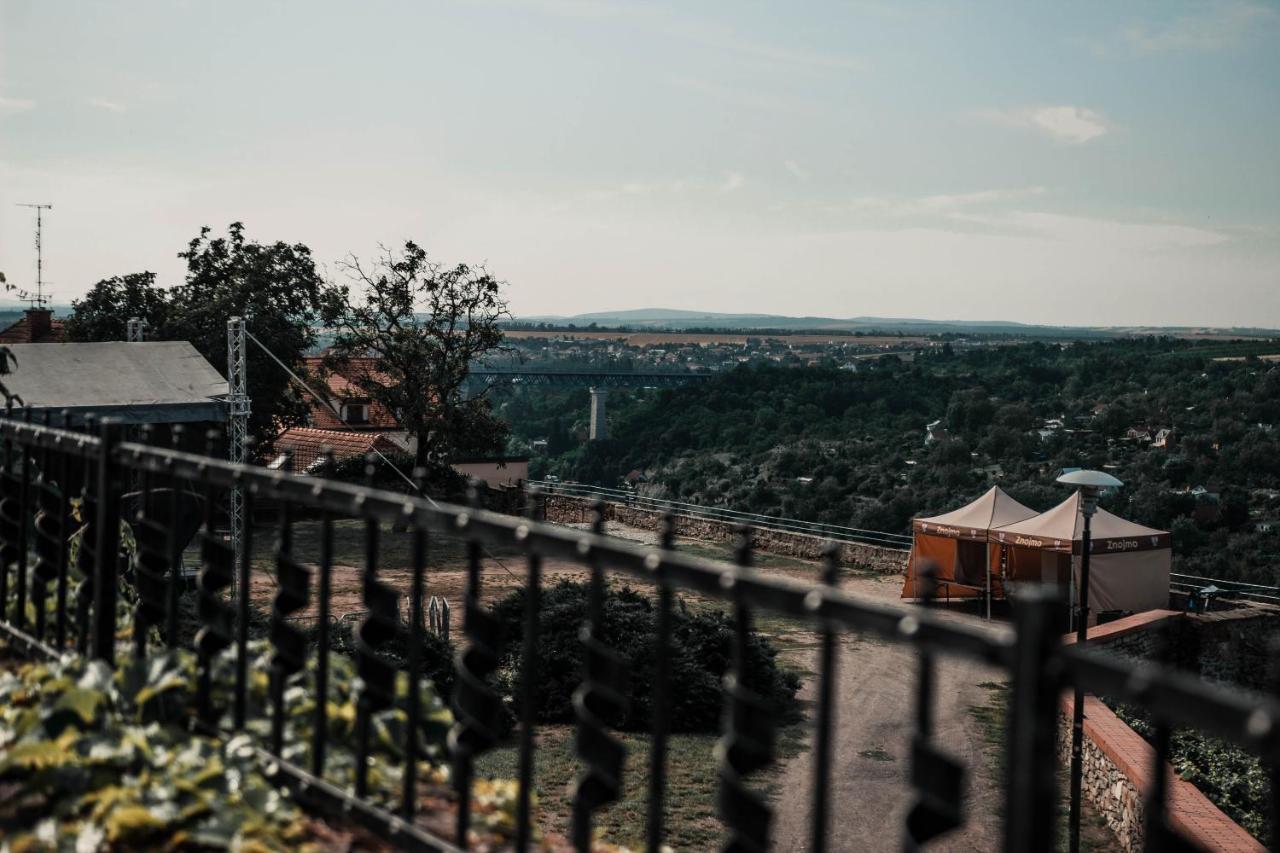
[
  {"x": 435, "y": 654},
  {"x": 1233, "y": 779},
  {"x": 701, "y": 654}
]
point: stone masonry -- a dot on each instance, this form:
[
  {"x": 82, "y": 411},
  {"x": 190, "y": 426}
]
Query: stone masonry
[
  {"x": 564, "y": 509},
  {"x": 1117, "y": 761}
]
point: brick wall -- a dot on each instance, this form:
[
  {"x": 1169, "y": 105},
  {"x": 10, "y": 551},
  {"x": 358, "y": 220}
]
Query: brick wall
[{"x": 564, "y": 509}]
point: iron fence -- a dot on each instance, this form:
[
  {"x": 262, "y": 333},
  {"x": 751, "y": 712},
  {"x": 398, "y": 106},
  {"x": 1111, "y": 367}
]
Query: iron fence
[{"x": 59, "y": 485}]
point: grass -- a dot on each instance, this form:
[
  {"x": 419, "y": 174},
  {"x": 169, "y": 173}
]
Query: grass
[
  {"x": 878, "y": 753},
  {"x": 690, "y": 812},
  {"x": 991, "y": 719}
]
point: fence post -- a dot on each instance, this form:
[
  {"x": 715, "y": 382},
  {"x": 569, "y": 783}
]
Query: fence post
[
  {"x": 1031, "y": 784},
  {"x": 107, "y": 548}
]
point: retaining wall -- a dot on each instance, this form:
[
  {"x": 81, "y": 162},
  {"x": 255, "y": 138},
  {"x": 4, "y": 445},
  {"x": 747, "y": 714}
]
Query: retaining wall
[
  {"x": 1118, "y": 762},
  {"x": 564, "y": 509}
]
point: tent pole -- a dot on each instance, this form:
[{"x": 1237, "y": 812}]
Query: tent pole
[{"x": 987, "y": 575}]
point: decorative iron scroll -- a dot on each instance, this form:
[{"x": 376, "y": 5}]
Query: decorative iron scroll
[
  {"x": 937, "y": 778},
  {"x": 10, "y": 521},
  {"x": 603, "y": 693},
  {"x": 747, "y": 744},
  {"x": 48, "y": 544},
  {"x": 288, "y": 641},
  {"x": 217, "y": 616}
]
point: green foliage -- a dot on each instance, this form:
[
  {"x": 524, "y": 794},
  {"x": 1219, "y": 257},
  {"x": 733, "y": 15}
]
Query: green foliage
[
  {"x": 93, "y": 757},
  {"x": 701, "y": 654},
  {"x": 104, "y": 312},
  {"x": 275, "y": 287},
  {"x": 829, "y": 445},
  {"x": 440, "y": 480},
  {"x": 425, "y": 324},
  {"x": 1234, "y": 780}
]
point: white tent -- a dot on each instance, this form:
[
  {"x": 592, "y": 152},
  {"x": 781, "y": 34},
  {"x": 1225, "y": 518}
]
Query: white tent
[{"x": 1128, "y": 567}]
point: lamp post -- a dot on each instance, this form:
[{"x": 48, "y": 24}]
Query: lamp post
[{"x": 1090, "y": 484}]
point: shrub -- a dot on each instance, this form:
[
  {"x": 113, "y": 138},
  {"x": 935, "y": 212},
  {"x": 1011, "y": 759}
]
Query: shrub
[
  {"x": 1233, "y": 779},
  {"x": 701, "y": 654}
]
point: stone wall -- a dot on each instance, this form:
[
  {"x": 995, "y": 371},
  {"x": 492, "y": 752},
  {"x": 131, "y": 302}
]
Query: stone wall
[
  {"x": 1228, "y": 646},
  {"x": 1117, "y": 765},
  {"x": 1117, "y": 761},
  {"x": 564, "y": 509},
  {"x": 1102, "y": 781}
]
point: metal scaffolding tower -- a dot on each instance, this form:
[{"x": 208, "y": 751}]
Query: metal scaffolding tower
[{"x": 238, "y": 421}]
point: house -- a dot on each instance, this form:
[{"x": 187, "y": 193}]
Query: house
[
  {"x": 355, "y": 410},
  {"x": 361, "y": 425},
  {"x": 307, "y": 446},
  {"x": 1138, "y": 433},
  {"x": 156, "y": 382},
  {"x": 935, "y": 431},
  {"x": 1163, "y": 439},
  {"x": 36, "y": 326}
]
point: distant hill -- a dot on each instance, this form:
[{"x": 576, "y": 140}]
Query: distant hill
[{"x": 678, "y": 320}]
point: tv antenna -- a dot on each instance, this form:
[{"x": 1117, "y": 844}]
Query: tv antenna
[{"x": 39, "y": 300}]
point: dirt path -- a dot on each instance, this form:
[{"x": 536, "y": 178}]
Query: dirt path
[{"x": 875, "y": 706}]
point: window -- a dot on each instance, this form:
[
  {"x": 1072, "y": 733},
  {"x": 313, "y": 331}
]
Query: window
[{"x": 355, "y": 413}]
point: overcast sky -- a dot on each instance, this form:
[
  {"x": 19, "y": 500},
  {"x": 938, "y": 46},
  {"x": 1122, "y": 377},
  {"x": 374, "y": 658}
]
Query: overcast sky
[{"x": 1083, "y": 163}]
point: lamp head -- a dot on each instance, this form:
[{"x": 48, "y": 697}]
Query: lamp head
[
  {"x": 1094, "y": 481},
  {"x": 1090, "y": 484}
]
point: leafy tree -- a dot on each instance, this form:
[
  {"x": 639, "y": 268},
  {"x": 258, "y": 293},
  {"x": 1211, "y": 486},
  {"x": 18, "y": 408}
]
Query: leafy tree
[
  {"x": 408, "y": 337},
  {"x": 274, "y": 287},
  {"x": 104, "y": 312}
]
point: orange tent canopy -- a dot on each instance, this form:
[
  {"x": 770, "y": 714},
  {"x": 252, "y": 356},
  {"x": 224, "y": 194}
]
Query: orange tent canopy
[{"x": 956, "y": 542}]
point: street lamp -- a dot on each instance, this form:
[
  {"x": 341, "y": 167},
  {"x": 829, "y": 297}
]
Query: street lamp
[{"x": 1090, "y": 484}]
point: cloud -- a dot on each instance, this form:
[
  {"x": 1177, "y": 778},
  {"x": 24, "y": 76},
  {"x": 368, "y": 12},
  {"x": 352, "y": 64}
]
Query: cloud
[
  {"x": 15, "y": 105},
  {"x": 1069, "y": 124},
  {"x": 794, "y": 168},
  {"x": 939, "y": 205},
  {"x": 1221, "y": 26},
  {"x": 733, "y": 181},
  {"x": 1132, "y": 236},
  {"x": 106, "y": 104}
]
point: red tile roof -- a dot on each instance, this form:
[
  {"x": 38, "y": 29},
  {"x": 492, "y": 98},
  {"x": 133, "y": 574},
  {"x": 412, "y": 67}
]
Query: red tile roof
[
  {"x": 308, "y": 444},
  {"x": 36, "y": 326},
  {"x": 342, "y": 388}
]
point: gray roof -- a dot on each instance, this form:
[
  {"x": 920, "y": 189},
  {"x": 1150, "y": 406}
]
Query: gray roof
[{"x": 150, "y": 382}]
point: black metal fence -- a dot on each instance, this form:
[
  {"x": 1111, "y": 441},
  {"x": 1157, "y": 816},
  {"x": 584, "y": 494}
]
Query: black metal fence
[{"x": 59, "y": 486}]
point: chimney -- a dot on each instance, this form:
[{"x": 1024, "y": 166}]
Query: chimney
[{"x": 39, "y": 324}]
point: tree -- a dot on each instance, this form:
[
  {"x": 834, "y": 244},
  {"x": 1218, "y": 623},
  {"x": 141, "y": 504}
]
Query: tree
[
  {"x": 408, "y": 337},
  {"x": 274, "y": 287},
  {"x": 103, "y": 314}
]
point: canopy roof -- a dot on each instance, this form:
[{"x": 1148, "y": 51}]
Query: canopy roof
[
  {"x": 993, "y": 509},
  {"x": 1061, "y": 528},
  {"x": 151, "y": 382}
]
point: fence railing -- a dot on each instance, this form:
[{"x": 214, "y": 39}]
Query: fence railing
[
  {"x": 57, "y": 485},
  {"x": 834, "y": 532},
  {"x": 1193, "y": 584}
]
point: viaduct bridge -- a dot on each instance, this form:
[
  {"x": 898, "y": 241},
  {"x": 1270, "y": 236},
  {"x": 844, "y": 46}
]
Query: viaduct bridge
[{"x": 599, "y": 381}]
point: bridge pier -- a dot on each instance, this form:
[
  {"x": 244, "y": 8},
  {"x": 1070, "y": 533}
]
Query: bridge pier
[{"x": 599, "y": 429}]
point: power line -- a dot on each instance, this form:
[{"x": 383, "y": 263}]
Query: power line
[{"x": 329, "y": 404}]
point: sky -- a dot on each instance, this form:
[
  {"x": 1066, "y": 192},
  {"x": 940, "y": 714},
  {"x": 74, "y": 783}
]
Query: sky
[{"x": 1086, "y": 163}]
